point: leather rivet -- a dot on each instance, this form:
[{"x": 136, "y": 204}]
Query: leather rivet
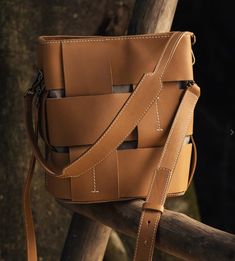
[{"x": 145, "y": 242}]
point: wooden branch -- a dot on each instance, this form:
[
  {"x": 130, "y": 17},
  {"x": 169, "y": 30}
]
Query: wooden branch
[
  {"x": 152, "y": 16},
  {"x": 178, "y": 235},
  {"x": 82, "y": 234}
]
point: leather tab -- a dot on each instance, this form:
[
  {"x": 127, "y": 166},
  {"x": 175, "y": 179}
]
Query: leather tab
[{"x": 152, "y": 206}]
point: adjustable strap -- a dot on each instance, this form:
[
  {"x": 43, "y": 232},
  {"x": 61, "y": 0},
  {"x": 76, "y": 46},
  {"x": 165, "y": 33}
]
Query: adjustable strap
[
  {"x": 154, "y": 204},
  {"x": 144, "y": 95}
]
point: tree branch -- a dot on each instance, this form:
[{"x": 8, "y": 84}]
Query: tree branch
[{"x": 179, "y": 235}]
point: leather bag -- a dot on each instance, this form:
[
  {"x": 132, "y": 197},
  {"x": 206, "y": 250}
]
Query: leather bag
[{"x": 116, "y": 117}]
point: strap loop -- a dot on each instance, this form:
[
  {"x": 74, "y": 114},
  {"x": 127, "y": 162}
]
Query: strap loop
[{"x": 151, "y": 206}]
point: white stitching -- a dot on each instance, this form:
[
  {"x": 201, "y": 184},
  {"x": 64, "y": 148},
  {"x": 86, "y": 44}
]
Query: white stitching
[
  {"x": 94, "y": 181},
  {"x": 153, "y": 235},
  {"x": 158, "y": 116},
  {"x": 165, "y": 148},
  {"x": 155, "y": 226},
  {"x": 169, "y": 58},
  {"x": 104, "y": 39},
  {"x": 166, "y": 185},
  {"x": 169, "y": 172},
  {"x": 138, "y": 234}
]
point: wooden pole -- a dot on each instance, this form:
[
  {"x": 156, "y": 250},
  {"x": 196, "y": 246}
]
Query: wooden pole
[
  {"x": 152, "y": 16},
  {"x": 82, "y": 234},
  {"x": 179, "y": 235}
]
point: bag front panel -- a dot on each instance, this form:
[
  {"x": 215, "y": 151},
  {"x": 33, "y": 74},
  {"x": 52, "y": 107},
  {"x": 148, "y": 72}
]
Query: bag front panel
[{"x": 85, "y": 75}]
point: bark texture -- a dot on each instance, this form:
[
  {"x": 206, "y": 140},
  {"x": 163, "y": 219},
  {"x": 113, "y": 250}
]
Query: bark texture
[{"x": 178, "y": 234}]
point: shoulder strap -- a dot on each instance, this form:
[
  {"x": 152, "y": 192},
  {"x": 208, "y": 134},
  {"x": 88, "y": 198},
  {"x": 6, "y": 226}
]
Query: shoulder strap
[
  {"x": 129, "y": 116},
  {"x": 154, "y": 204}
]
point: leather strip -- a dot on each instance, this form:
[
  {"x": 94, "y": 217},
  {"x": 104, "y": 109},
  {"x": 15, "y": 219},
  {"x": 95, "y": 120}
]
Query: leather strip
[
  {"x": 133, "y": 164},
  {"x": 127, "y": 66},
  {"x": 158, "y": 190},
  {"x": 68, "y": 125}
]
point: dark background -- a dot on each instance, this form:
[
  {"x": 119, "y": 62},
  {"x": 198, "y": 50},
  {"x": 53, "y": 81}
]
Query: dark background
[{"x": 213, "y": 24}]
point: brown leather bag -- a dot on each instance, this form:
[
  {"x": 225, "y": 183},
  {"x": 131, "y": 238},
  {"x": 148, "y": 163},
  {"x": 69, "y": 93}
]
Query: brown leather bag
[{"x": 116, "y": 117}]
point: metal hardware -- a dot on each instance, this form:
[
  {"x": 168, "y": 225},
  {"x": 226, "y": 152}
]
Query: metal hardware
[
  {"x": 190, "y": 83},
  {"x": 37, "y": 86}
]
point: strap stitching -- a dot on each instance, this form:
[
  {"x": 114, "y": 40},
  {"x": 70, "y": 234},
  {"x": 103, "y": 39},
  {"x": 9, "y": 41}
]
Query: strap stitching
[
  {"x": 94, "y": 181},
  {"x": 153, "y": 234},
  {"x": 158, "y": 116},
  {"x": 161, "y": 86},
  {"x": 105, "y": 39},
  {"x": 138, "y": 234},
  {"x": 169, "y": 58},
  {"x": 170, "y": 174}
]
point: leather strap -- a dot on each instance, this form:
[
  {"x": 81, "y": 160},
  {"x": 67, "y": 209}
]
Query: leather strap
[
  {"x": 129, "y": 116},
  {"x": 154, "y": 204},
  {"x": 27, "y": 211}
]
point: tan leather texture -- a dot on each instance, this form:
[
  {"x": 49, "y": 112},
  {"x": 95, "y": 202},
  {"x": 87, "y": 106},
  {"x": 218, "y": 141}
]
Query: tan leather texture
[{"x": 116, "y": 115}]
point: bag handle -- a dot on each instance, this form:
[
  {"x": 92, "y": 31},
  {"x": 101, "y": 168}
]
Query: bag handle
[{"x": 144, "y": 95}]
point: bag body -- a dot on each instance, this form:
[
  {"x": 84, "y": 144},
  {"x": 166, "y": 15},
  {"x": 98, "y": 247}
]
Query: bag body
[{"x": 116, "y": 117}]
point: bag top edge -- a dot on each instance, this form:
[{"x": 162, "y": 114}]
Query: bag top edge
[{"x": 58, "y": 39}]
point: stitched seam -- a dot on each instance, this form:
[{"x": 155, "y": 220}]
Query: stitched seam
[
  {"x": 163, "y": 196},
  {"x": 158, "y": 117},
  {"x": 169, "y": 58},
  {"x": 174, "y": 47},
  {"x": 94, "y": 181},
  {"x": 129, "y": 100},
  {"x": 153, "y": 235},
  {"x": 138, "y": 235},
  {"x": 165, "y": 148},
  {"x": 105, "y": 39},
  {"x": 168, "y": 178},
  {"x": 151, "y": 185}
]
